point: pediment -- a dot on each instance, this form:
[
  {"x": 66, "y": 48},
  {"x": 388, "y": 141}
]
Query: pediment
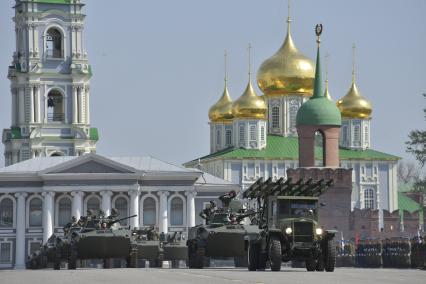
[{"x": 90, "y": 164}]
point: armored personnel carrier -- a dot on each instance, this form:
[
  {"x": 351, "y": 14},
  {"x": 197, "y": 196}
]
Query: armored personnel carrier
[
  {"x": 174, "y": 248},
  {"x": 289, "y": 226},
  {"x": 223, "y": 235}
]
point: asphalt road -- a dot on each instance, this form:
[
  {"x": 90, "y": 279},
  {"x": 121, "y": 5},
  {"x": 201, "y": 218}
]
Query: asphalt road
[{"x": 211, "y": 275}]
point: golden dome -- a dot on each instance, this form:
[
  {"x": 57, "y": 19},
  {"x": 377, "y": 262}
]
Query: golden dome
[
  {"x": 221, "y": 111},
  {"x": 353, "y": 105},
  {"x": 250, "y": 105},
  {"x": 287, "y": 72}
]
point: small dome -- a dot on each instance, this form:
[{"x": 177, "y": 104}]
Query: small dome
[
  {"x": 221, "y": 111},
  {"x": 250, "y": 105},
  {"x": 353, "y": 105},
  {"x": 287, "y": 72}
]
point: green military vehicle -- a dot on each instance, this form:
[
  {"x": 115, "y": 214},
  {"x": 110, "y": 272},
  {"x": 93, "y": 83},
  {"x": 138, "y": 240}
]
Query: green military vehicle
[
  {"x": 289, "y": 226},
  {"x": 223, "y": 235},
  {"x": 174, "y": 248}
]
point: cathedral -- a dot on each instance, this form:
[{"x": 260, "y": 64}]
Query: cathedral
[{"x": 256, "y": 136}]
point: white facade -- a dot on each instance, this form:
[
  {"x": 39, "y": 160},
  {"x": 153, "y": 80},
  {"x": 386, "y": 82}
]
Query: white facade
[
  {"x": 39, "y": 196},
  {"x": 250, "y": 133},
  {"x": 50, "y": 84},
  {"x": 355, "y": 133},
  {"x": 221, "y": 136}
]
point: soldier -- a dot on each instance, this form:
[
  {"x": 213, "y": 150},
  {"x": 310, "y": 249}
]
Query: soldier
[
  {"x": 227, "y": 197},
  {"x": 69, "y": 225},
  {"x": 208, "y": 211}
]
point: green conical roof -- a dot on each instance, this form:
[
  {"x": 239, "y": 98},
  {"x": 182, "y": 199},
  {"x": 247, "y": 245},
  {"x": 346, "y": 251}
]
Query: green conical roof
[{"x": 318, "y": 110}]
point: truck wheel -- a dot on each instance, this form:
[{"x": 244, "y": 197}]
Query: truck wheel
[
  {"x": 320, "y": 264},
  {"x": 253, "y": 257},
  {"x": 330, "y": 256},
  {"x": 311, "y": 264},
  {"x": 275, "y": 253}
]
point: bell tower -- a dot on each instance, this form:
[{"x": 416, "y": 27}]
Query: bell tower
[{"x": 50, "y": 83}]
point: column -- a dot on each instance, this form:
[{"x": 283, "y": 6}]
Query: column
[
  {"x": 80, "y": 105},
  {"x": 164, "y": 221},
  {"x": 77, "y": 203},
  {"x": 74, "y": 104},
  {"x": 21, "y": 97},
  {"x": 37, "y": 104},
  {"x": 31, "y": 104},
  {"x": 20, "y": 231},
  {"x": 106, "y": 202},
  {"x": 87, "y": 105},
  {"x": 47, "y": 215},
  {"x": 190, "y": 201},
  {"x": 134, "y": 208}
]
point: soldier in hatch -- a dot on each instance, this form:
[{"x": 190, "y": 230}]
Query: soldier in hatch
[{"x": 227, "y": 197}]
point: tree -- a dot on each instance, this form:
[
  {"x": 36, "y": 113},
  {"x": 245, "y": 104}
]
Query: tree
[
  {"x": 408, "y": 172},
  {"x": 417, "y": 146}
]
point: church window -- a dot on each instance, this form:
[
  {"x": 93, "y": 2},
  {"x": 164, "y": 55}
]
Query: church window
[
  {"x": 242, "y": 134},
  {"x": 369, "y": 198},
  {"x": 292, "y": 115},
  {"x": 262, "y": 133},
  {"x": 149, "y": 211},
  {"x": 93, "y": 204},
  {"x": 5, "y": 252},
  {"x": 64, "y": 211},
  {"x": 356, "y": 133},
  {"x": 345, "y": 133},
  {"x": 252, "y": 132},
  {"x": 319, "y": 149},
  {"x": 228, "y": 137},
  {"x": 36, "y": 212},
  {"x": 275, "y": 117},
  {"x": 55, "y": 106},
  {"x": 176, "y": 214},
  {"x": 366, "y": 134},
  {"x": 218, "y": 137},
  {"x": 6, "y": 213},
  {"x": 122, "y": 208},
  {"x": 53, "y": 43}
]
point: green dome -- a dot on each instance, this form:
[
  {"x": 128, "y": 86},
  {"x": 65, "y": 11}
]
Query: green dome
[{"x": 318, "y": 110}]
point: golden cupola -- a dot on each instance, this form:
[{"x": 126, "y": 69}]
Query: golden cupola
[
  {"x": 353, "y": 105},
  {"x": 221, "y": 111},
  {"x": 250, "y": 105},
  {"x": 287, "y": 72}
]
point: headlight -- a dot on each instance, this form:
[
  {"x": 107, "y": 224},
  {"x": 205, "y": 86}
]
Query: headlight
[
  {"x": 288, "y": 230},
  {"x": 318, "y": 231}
]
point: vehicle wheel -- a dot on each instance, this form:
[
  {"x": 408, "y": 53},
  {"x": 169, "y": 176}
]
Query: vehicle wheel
[
  {"x": 132, "y": 259},
  {"x": 107, "y": 263},
  {"x": 175, "y": 263},
  {"x": 253, "y": 257},
  {"x": 57, "y": 259},
  {"x": 330, "y": 256},
  {"x": 320, "y": 264},
  {"x": 195, "y": 256},
  {"x": 275, "y": 253},
  {"x": 241, "y": 261},
  {"x": 72, "y": 260},
  {"x": 311, "y": 264}
]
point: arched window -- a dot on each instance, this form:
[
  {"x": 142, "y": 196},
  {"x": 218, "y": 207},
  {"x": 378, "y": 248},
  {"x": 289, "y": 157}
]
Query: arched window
[
  {"x": 228, "y": 137},
  {"x": 366, "y": 134},
  {"x": 176, "y": 214},
  {"x": 345, "y": 134},
  {"x": 357, "y": 136},
  {"x": 149, "y": 211},
  {"x": 53, "y": 43},
  {"x": 55, "y": 106},
  {"x": 369, "y": 198},
  {"x": 252, "y": 132},
  {"x": 93, "y": 204},
  {"x": 242, "y": 134},
  {"x": 262, "y": 133},
  {"x": 6, "y": 213},
  {"x": 64, "y": 211},
  {"x": 122, "y": 208},
  {"x": 36, "y": 212},
  {"x": 218, "y": 137},
  {"x": 294, "y": 107},
  {"x": 275, "y": 117},
  {"x": 319, "y": 149}
]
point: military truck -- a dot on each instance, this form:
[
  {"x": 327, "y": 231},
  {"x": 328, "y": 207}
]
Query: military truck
[
  {"x": 289, "y": 226},
  {"x": 223, "y": 235}
]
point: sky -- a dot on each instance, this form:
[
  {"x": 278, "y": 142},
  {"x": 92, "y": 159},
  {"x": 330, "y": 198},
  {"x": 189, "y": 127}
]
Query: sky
[{"x": 158, "y": 65}]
